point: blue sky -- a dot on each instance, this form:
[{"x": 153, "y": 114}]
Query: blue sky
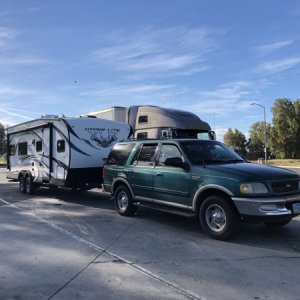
[{"x": 211, "y": 57}]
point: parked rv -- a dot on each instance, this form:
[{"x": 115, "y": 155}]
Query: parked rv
[
  {"x": 152, "y": 122},
  {"x": 60, "y": 151}
]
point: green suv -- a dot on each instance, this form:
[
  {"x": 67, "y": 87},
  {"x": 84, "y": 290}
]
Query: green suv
[{"x": 205, "y": 178}]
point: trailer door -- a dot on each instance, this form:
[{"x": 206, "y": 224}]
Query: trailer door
[{"x": 44, "y": 166}]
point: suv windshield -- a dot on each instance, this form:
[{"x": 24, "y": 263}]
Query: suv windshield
[{"x": 209, "y": 152}]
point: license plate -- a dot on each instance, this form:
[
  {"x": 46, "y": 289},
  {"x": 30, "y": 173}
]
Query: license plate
[{"x": 296, "y": 208}]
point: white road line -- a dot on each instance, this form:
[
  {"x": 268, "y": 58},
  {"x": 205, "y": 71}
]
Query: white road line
[
  {"x": 166, "y": 282},
  {"x": 5, "y": 202}
]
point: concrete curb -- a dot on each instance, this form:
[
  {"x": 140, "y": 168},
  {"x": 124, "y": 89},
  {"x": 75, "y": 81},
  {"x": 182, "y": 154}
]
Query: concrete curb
[{"x": 287, "y": 167}]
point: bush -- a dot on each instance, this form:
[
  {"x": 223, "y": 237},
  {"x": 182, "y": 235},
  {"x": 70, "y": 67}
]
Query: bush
[{"x": 3, "y": 159}]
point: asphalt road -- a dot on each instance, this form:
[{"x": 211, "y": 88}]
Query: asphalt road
[{"x": 58, "y": 244}]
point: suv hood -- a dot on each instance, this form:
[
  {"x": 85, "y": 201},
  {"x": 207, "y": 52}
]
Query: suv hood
[{"x": 249, "y": 172}]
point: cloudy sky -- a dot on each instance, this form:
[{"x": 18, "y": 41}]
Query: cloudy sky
[{"x": 211, "y": 57}]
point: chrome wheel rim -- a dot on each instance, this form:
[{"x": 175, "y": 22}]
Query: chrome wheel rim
[
  {"x": 215, "y": 217},
  {"x": 122, "y": 201}
]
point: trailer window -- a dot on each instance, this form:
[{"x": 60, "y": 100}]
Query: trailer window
[
  {"x": 61, "y": 146},
  {"x": 12, "y": 150},
  {"x": 143, "y": 119},
  {"x": 39, "y": 146},
  {"x": 142, "y": 135},
  {"x": 22, "y": 149}
]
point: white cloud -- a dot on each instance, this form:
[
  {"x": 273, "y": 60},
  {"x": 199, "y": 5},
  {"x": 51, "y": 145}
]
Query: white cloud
[
  {"x": 265, "y": 49},
  {"x": 8, "y": 115},
  {"x": 277, "y": 66},
  {"x": 12, "y": 53},
  {"x": 25, "y": 60},
  {"x": 179, "y": 49},
  {"x": 132, "y": 93},
  {"x": 6, "y": 35},
  {"x": 10, "y": 91},
  {"x": 229, "y": 97},
  {"x": 220, "y": 132}
]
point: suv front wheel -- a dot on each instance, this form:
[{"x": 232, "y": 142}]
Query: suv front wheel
[
  {"x": 217, "y": 217},
  {"x": 123, "y": 201}
]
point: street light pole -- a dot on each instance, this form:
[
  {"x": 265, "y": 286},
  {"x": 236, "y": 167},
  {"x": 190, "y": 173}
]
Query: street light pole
[{"x": 265, "y": 130}]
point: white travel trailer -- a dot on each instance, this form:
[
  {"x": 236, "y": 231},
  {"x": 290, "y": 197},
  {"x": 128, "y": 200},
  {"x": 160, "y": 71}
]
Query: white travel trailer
[
  {"x": 154, "y": 122},
  {"x": 60, "y": 151}
]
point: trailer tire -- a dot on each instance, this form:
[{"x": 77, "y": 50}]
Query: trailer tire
[
  {"x": 22, "y": 186},
  {"x": 29, "y": 185}
]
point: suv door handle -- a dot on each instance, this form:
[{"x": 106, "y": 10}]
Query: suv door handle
[{"x": 159, "y": 174}]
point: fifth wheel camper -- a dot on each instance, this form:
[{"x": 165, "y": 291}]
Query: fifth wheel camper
[
  {"x": 155, "y": 122},
  {"x": 60, "y": 151}
]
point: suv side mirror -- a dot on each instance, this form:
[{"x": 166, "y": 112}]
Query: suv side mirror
[{"x": 175, "y": 162}]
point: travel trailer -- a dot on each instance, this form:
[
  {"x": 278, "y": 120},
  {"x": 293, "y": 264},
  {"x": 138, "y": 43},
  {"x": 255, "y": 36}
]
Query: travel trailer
[
  {"x": 152, "y": 122},
  {"x": 60, "y": 151}
]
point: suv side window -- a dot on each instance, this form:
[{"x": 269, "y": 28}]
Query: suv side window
[
  {"x": 119, "y": 154},
  {"x": 145, "y": 157},
  {"x": 168, "y": 151}
]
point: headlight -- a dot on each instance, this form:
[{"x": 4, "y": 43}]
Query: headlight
[{"x": 253, "y": 188}]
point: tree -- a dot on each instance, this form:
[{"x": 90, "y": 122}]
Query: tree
[
  {"x": 236, "y": 140},
  {"x": 2, "y": 140},
  {"x": 297, "y": 110},
  {"x": 284, "y": 130},
  {"x": 256, "y": 142}
]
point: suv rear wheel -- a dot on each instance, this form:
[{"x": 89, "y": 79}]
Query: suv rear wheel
[
  {"x": 217, "y": 217},
  {"x": 123, "y": 201}
]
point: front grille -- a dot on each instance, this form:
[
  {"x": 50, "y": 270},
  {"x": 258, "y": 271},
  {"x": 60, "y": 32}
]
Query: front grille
[{"x": 285, "y": 186}]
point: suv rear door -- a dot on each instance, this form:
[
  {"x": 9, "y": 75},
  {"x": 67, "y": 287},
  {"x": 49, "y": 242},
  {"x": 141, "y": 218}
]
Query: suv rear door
[
  {"x": 171, "y": 183},
  {"x": 140, "y": 172}
]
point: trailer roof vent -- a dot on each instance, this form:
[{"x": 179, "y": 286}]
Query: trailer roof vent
[
  {"x": 49, "y": 116},
  {"x": 52, "y": 116}
]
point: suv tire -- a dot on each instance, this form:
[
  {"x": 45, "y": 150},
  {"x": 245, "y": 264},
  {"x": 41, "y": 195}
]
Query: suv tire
[
  {"x": 217, "y": 217},
  {"x": 123, "y": 201}
]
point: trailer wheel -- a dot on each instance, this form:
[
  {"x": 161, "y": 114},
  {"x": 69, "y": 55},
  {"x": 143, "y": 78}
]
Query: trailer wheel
[
  {"x": 123, "y": 201},
  {"x": 217, "y": 217},
  {"x": 22, "y": 186},
  {"x": 29, "y": 185}
]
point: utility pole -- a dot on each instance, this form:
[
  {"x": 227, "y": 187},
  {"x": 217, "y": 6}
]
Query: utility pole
[{"x": 265, "y": 130}]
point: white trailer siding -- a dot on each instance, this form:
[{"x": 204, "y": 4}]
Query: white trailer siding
[
  {"x": 116, "y": 113},
  {"x": 63, "y": 151}
]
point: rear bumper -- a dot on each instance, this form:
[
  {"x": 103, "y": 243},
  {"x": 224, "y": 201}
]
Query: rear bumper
[{"x": 269, "y": 208}]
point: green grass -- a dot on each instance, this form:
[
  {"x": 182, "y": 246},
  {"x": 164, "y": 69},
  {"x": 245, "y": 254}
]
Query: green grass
[
  {"x": 294, "y": 163},
  {"x": 285, "y": 162}
]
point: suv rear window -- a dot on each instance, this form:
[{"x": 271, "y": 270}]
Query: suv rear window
[
  {"x": 145, "y": 156},
  {"x": 119, "y": 154}
]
